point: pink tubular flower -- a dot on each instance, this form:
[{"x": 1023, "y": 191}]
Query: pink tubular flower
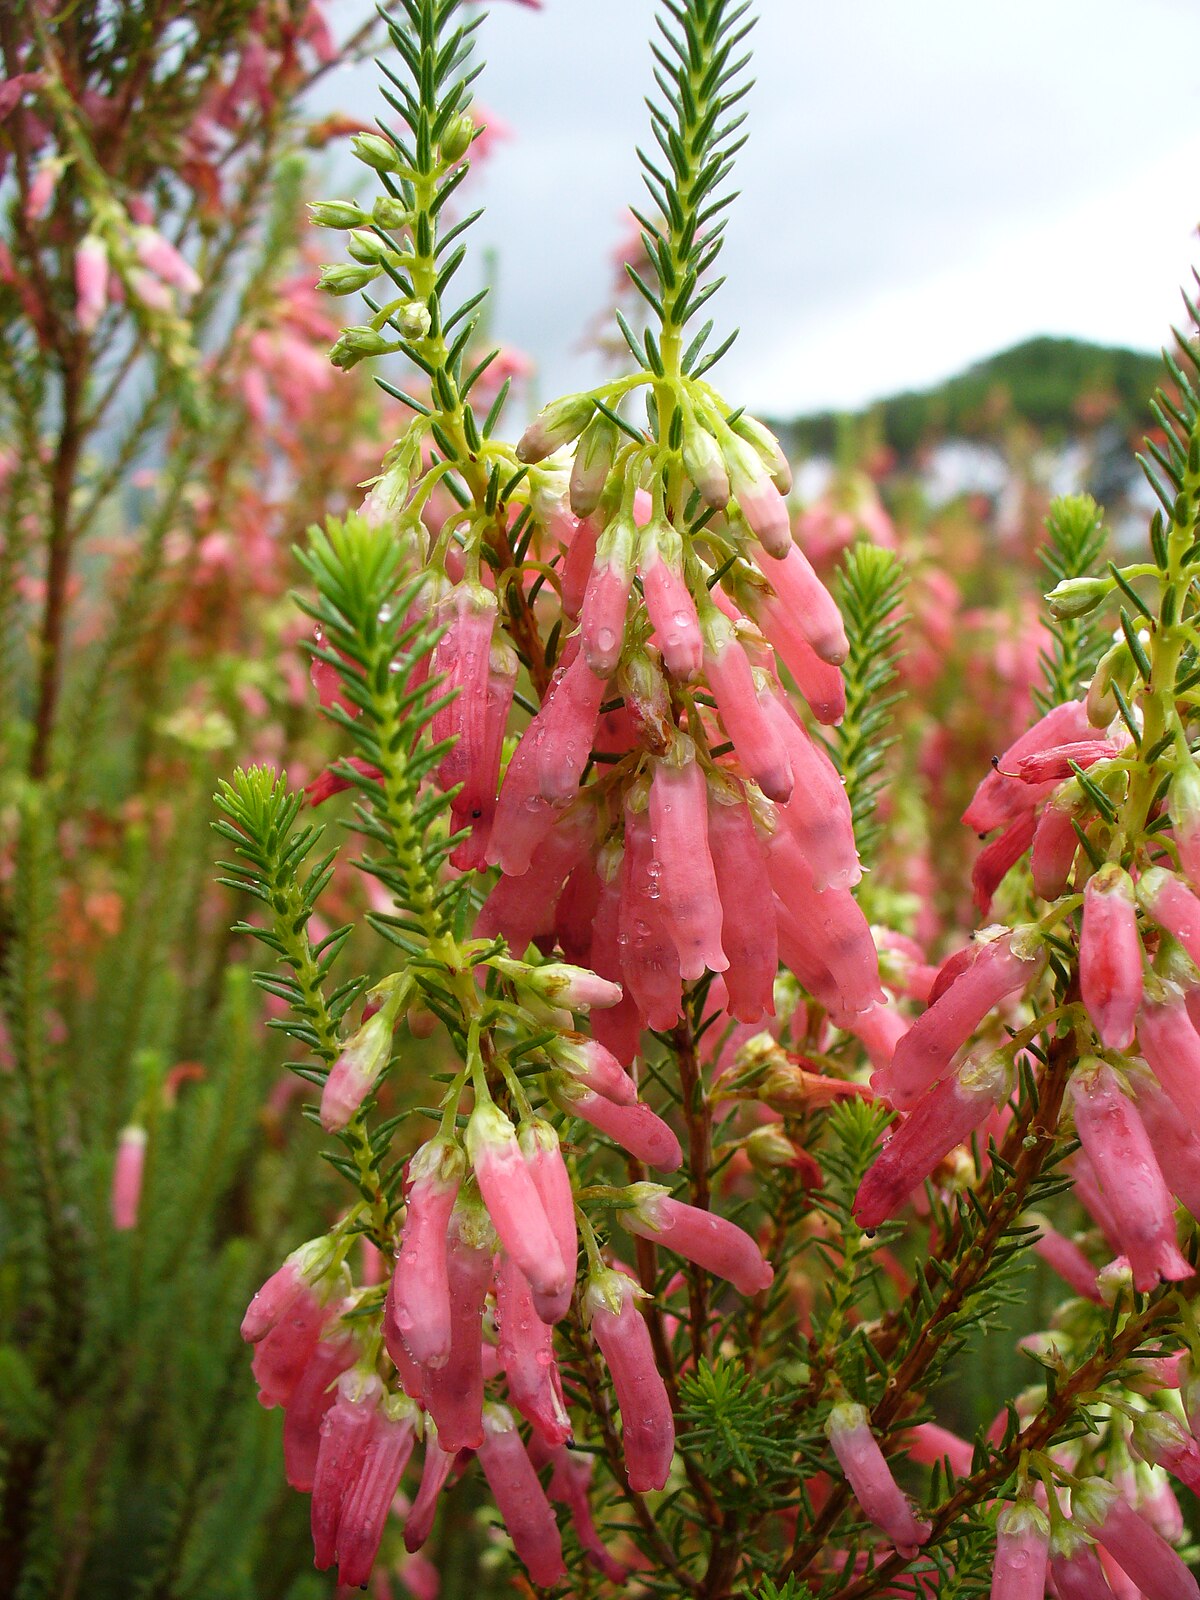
[
  {"x": 311, "y": 1399},
  {"x": 454, "y": 1392},
  {"x": 760, "y": 502},
  {"x": 747, "y": 722},
  {"x": 284, "y": 1288},
  {"x": 1000, "y": 798},
  {"x": 620, "y": 1330},
  {"x": 1183, "y": 803},
  {"x": 831, "y": 925},
  {"x": 800, "y": 596},
  {"x": 679, "y": 824},
  {"x": 700, "y": 1236},
  {"x": 522, "y": 907},
  {"x": 281, "y": 1356},
  {"x": 1110, "y": 956},
  {"x": 929, "y": 1444},
  {"x": 369, "y": 1497},
  {"x": 568, "y": 726},
  {"x": 1148, "y": 1559},
  {"x": 475, "y": 806},
  {"x": 818, "y": 813},
  {"x": 1171, "y": 1046},
  {"x": 649, "y": 960},
  {"x": 1065, "y": 1257},
  {"x": 1056, "y": 764},
  {"x": 748, "y": 937},
  {"x": 1022, "y": 1552},
  {"x": 997, "y": 859},
  {"x": 418, "y": 1299},
  {"x": 947, "y": 1113},
  {"x": 1174, "y": 1139},
  {"x": 435, "y": 1469},
  {"x": 461, "y": 658},
  {"x": 589, "y": 1063},
  {"x": 512, "y": 1200},
  {"x": 527, "y": 1355},
  {"x": 91, "y": 281},
  {"x": 344, "y": 1434},
  {"x": 577, "y": 568},
  {"x": 636, "y": 1129},
  {"x": 1075, "y": 1566},
  {"x": 570, "y": 1477},
  {"x": 1055, "y": 844},
  {"x": 1173, "y": 906},
  {"x": 357, "y": 1070},
  {"x": 1119, "y": 1149},
  {"x": 606, "y": 599},
  {"x": 1157, "y": 1437},
  {"x": 995, "y": 966},
  {"x": 669, "y": 603},
  {"x": 543, "y": 1156},
  {"x": 520, "y": 1498},
  {"x": 877, "y": 1492},
  {"x": 128, "y": 1170}
]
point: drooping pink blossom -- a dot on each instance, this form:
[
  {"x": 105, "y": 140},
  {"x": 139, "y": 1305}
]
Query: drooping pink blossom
[
  {"x": 128, "y": 1171},
  {"x": 311, "y": 1399},
  {"x": 345, "y": 1430},
  {"x": 357, "y": 1070},
  {"x": 1110, "y": 956},
  {"x": 636, "y": 1129},
  {"x": 474, "y": 807},
  {"x": 818, "y": 813},
  {"x": 879, "y": 1496},
  {"x": 567, "y": 727},
  {"x": 1153, "y": 1566},
  {"x": 512, "y": 1200},
  {"x": 418, "y": 1300},
  {"x": 527, "y": 1355},
  {"x": 755, "y": 737},
  {"x": 1119, "y": 1149},
  {"x": 1055, "y": 845},
  {"x": 648, "y": 1428},
  {"x": 670, "y": 606},
  {"x": 606, "y": 599},
  {"x": 589, "y": 1063},
  {"x": 830, "y": 923},
  {"x": 759, "y": 501},
  {"x": 570, "y": 1477},
  {"x": 543, "y": 1157},
  {"x": 368, "y": 1499},
  {"x": 1174, "y": 1139},
  {"x": 1173, "y": 906},
  {"x": 577, "y": 567},
  {"x": 296, "y": 1277},
  {"x": 687, "y": 882},
  {"x": 711, "y": 1241},
  {"x": 1159, "y": 1438},
  {"x": 435, "y": 1469},
  {"x": 930, "y": 1444},
  {"x": 454, "y": 1393},
  {"x": 1022, "y": 1552},
  {"x": 649, "y": 960},
  {"x": 997, "y": 859},
  {"x": 1075, "y": 1566},
  {"x": 800, "y": 597},
  {"x": 1171, "y": 1046},
  {"x": 91, "y": 281},
  {"x": 521, "y": 907},
  {"x": 283, "y": 1353},
  {"x": 748, "y": 937},
  {"x": 520, "y": 1498}
]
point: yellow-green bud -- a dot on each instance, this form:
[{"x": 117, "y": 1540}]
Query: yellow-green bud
[
  {"x": 376, "y": 151},
  {"x": 337, "y": 214},
  {"x": 343, "y": 278},
  {"x": 456, "y": 140}
]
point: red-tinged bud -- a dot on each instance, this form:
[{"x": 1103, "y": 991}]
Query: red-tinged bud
[
  {"x": 1147, "y": 1558},
  {"x": 636, "y": 1129},
  {"x": 128, "y": 1170},
  {"x": 945, "y": 1115},
  {"x": 357, "y": 1070},
  {"x": 1174, "y": 1139},
  {"x": 755, "y": 737},
  {"x": 527, "y": 1355},
  {"x": 620, "y": 1330},
  {"x": 1110, "y": 956},
  {"x": 543, "y": 1156},
  {"x": 1183, "y": 804},
  {"x": 435, "y": 1469},
  {"x": 589, "y": 1063},
  {"x": 1116, "y": 667},
  {"x": 593, "y": 462},
  {"x": 1022, "y": 1552},
  {"x": 1119, "y": 1149},
  {"x": 454, "y": 1393},
  {"x": 1058, "y": 763},
  {"x": 759, "y": 501},
  {"x": 345, "y": 1431},
  {"x": 474, "y": 806},
  {"x": 1000, "y": 964},
  {"x": 567, "y": 727},
  {"x": 577, "y": 568},
  {"x": 573, "y": 988},
  {"x": 1065, "y": 1257},
  {"x": 1075, "y": 1566},
  {"x": 311, "y": 1399},
  {"x": 1055, "y": 843},
  {"x": 520, "y": 1498},
  {"x": 998, "y": 798},
  {"x": 606, "y": 600},
  {"x": 369, "y": 1498},
  {"x": 801, "y": 597},
  {"x": 1158, "y": 1438},
  {"x": 513, "y": 1202},
  {"x": 669, "y": 603},
  {"x": 418, "y": 1300},
  {"x": 700, "y": 1236},
  {"x": 649, "y": 960},
  {"x": 929, "y": 1444},
  {"x": 570, "y": 1478},
  {"x": 1173, "y": 906},
  {"x": 818, "y": 813},
  {"x": 688, "y": 884},
  {"x": 555, "y": 425},
  {"x": 877, "y": 1492},
  {"x": 1171, "y": 1045},
  {"x": 748, "y": 934}
]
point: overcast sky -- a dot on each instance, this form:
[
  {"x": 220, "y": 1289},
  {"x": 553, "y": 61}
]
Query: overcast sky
[{"x": 924, "y": 184}]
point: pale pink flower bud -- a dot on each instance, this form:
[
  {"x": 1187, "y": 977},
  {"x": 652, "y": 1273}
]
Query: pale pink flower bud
[
  {"x": 568, "y": 1486},
  {"x": 999, "y": 965},
  {"x": 91, "y": 281},
  {"x": 1022, "y": 1552},
  {"x": 748, "y": 935},
  {"x": 369, "y": 1498},
  {"x": 475, "y": 806},
  {"x": 649, "y": 960},
  {"x": 1147, "y": 1558},
  {"x": 41, "y": 189},
  {"x": 620, "y": 1330},
  {"x": 435, "y": 1469},
  {"x": 636, "y": 1129},
  {"x": 297, "y": 1276},
  {"x": 1173, "y": 906},
  {"x": 1119, "y": 1149},
  {"x": 418, "y": 1298},
  {"x": 520, "y": 1498},
  {"x": 669, "y": 603},
  {"x": 818, "y": 813},
  {"x": 879, "y": 1496},
  {"x": 930, "y": 1444},
  {"x": 128, "y": 1170},
  {"x": 1110, "y": 956},
  {"x": 998, "y": 799},
  {"x": 712, "y": 1242},
  {"x": 345, "y": 1431},
  {"x": 704, "y": 464},
  {"x": 357, "y": 1070},
  {"x": 1157, "y": 1437},
  {"x": 555, "y": 425},
  {"x": 606, "y": 600},
  {"x": 454, "y": 1393},
  {"x": 574, "y": 988},
  {"x": 1183, "y": 803},
  {"x": 589, "y": 1063},
  {"x": 688, "y": 885},
  {"x": 543, "y": 1156},
  {"x": 801, "y": 598},
  {"x": 755, "y": 737},
  {"x": 311, "y": 1399},
  {"x": 760, "y": 502},
  {"x": 1075, "y": 1566},
  {"x": 1055, "y": 844},
  {"x": 513, "y": 1202},
  {"x": 567, "y": 728},
  {"x": 527, "y": 1355},
  {"x": 1170, "y": 1043},
  {"x": 159, "y": 256},
  {"x": 945, "y": 1115},
  {"x": 592, "y": 464}
]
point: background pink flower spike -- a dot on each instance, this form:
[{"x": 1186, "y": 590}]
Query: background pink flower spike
[
  {"x": 454, "y": 1393},
  {"x": 542, "y": 1151},
  {"x": 688, "y": 885},
  {"x": 311, "y": 1399},
  {"x": 636, "y": 1129},
  {"x": 435, "y": 1469},
  {"x": 369, "y": 1498},
  {"x": 711, "y": 1241},
  {"x": 620, "y": 1330},
  {"x": 520, "y": 1498},
  {"x": 513, "y": 1202},
  {"x": 1022, "y": 1552},
  {"x": 1110, "y": 956},
  {"x": 649, "y": 961},
  {"x": 748, "y": 934},
  {"x": 1119, "y": 1149},
  {"x": 1132, "y": 1542},
  {"x": 344, "y": 1434},
  {"x": 755, "y": 738},
  {"x": 877, "y": 1492},
  {"x": 527, "y": 1355},
  {"x": 418, "y": 1298}
]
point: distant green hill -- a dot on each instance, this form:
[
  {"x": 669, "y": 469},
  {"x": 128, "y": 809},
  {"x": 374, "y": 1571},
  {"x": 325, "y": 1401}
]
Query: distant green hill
[{"x": 1057, "y": 385}]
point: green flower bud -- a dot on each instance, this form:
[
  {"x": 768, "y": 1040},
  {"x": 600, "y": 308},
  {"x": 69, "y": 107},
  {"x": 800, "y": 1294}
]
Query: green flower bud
[
  {"x": 376, "y": 151},
  {"x": 593, "y": 462},
  {"x": 555, "y": 425},
  {"x": 1075, "y": 597},
  {"x": 413, "y": 320},
  {"x": 388, "y": 212},
  {"x": 337, "y": 214},
  {"x": 343, "y": 278},
  {"x": 368, "y": 247},
  {"x": 769, "y": 449},
  {"x": 705, "y": 466},
  {"x": 456, "y": 140},
  {"x": 357, "y": 344}
]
